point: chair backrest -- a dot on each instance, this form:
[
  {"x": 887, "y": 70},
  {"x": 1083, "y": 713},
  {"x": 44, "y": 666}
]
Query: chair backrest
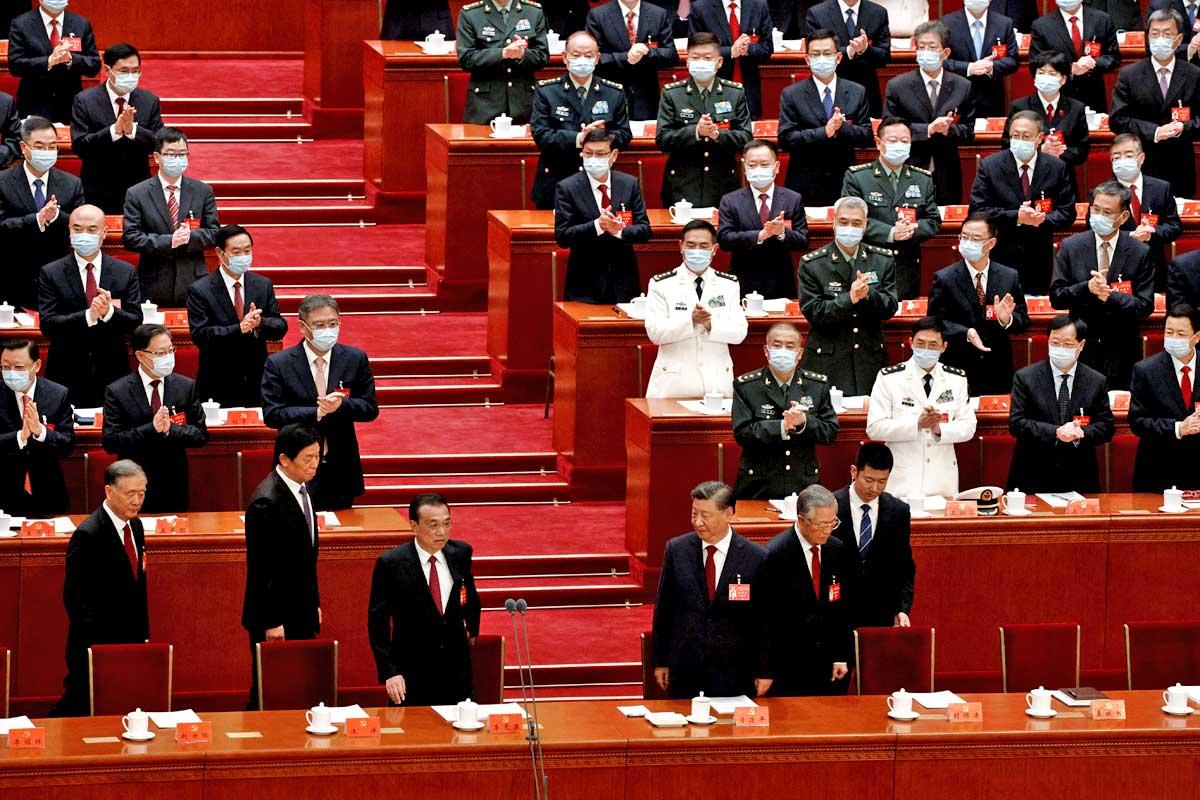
[
  {"x": 1043, "y": 654},
  {"x": 296, "y": 674},
  {"x": 122, "y": 677},
  {"x": 650, "y": 688},
  {"x": 5, "y": 679},
  {"x": 1160, "y": 654},
  {"x": 253, "y": 466},
  {"x": 94, "y": 464},
  {"x": 889, "y": 659},
  {"x": 487, "y": 669}
]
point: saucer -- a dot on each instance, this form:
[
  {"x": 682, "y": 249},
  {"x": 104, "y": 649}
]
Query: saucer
[
  {"x": 315, "y": 731},
  {"x": 757, "y": 314},
  {"x": 709, "y": 720},
  {"x": 214, "y": 423},
  {"x": 919, "y": 514},
  {"x": 1047, "y": 714},
  {"x": 1012, "y": 512},
  {"x": 436, "y": 49},
  {"x": 138, "y": 737},
  {"x": 909, "y": 717},
  {"x": 517, "y": 132},
  {"x": 8, "y": 534},
  {"x": 1166, "y": 510},
  {"x": 1178, "y": 712},
  {"x": 468, "y": 727}
]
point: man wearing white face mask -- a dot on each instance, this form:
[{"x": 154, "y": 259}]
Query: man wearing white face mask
[
  {"x": 983, "y": 48},
  {"x": 921, "y": 408},
  {"x": 1154, "y": 216},
  {"x": 693, "y": 314},
  {"x": 1106, "y": 278},
  {"x": 1164, "y": 408},
  {"x": 566, "y": 108},
  {"x": 112, "y": 130},
  {"x": 1086, "y": 36},
  {"x": 1064, "y": 118},
  {"x": 152, "y": 417},
  {"x": 51, "y": 50}
]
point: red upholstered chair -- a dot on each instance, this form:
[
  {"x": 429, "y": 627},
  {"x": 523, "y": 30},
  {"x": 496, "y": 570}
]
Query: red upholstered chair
[
  {"x": 487, "y": 669},
  {"x": 1159, "y": 654},
  {"x": 5, "y": 679},
  {"x": 650, "y": 688},
  {"x": 253, "y": 466},
  {"x": 1045, "y": 654},
  {"x": 893, "y": 658},
  {"x": 297, "y": 674},
  {"x": 122, "y": 677},
  {"x": 94, "y": 464}
]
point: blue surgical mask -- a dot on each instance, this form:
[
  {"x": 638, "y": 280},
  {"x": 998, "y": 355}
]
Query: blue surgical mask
[
  {"x": 16, "y": 379},
  {"x": 929, "y": 60},
  {"x": 1022, "y": 149},
  {"x": 126, "y": 82},
  {"x": 822, "y": 66},
  {"x": 926, "y": 359},
  {"x": 86, "y": 244},
  {"x": 54, "y": 6},
  {"x": 969, "y": 250},
  {"x": 697, "y": 260},
  {"x": 238, "y": 265},
  {"x": 581, "y": 67},
  {"x": 897, "y": 152},
  {"x": 1172, "y": 344},
  {"x": 760, "y": 177},
  {"x": 325, "y": 338},
  {"x": 1101, "y": 225},
  {"x": 1048, "y": 85},
  {"x": 43, "y": 160},
  {"x": 781, "y": 359},
  {"x": 164, "y": 365},
  {"x": 597, "y": 166},
  {"x": 1161, "y": 47},
  {"x": 1126, "y": 169},
  {"x": 976, "y": 6},
  {"x": 702, "y": 71},
  {"x": 1069, "y": 5},
  {"x": 847, "y": 235},
  {"x": 1062, "y": 357},
  {"x": 174, "y": 166}
]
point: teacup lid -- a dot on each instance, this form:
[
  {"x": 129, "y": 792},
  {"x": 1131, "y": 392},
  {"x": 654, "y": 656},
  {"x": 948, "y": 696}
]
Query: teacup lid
[
  {"x": 902, "y": 690},
  {"x": 4, "y": 304}
]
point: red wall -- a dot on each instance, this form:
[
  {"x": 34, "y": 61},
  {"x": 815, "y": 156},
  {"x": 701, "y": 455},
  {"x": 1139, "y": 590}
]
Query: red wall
[{"x": 212, "y": 25}]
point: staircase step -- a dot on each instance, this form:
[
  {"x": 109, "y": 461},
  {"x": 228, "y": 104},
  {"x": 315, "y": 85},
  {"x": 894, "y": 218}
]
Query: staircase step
[
  {"x": 554, "y": 564},
  {"x": 296, "y": 211},
  {"x": 513, "y": 489},
  {"x": 363, "y": 299},
  {"x": 191, "y": 106},
  {"x": 458, "y": 463},
  {"x": 244, "y": 129},
  {"x": 284, "y": 276},
  {"x": 430, "y": 393},
  {"x": 397, "y": 366},
  {"x": 226, "y": 189},
  {"x": 578, "y": 675},
  {"x": 568, "y": 592}
]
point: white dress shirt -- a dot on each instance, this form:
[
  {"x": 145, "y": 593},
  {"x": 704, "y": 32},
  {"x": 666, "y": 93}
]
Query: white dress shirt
[
  {"x": 443, "y": 569},
  {"x": 45, "y": 179},
  {"x": 637, "y": 14},
  {"x": 230, "y": 281},
  {"x": 119, "y": 524},
  {"x": 984, "y": 48},
  {"x": 856, "y": 513},
  {"x": 294, "y": 488},
  {"x": 1179, "y": 365},
  {"x": 719, "y": 556},
  {"x": 1032, "y": 164},
  {"x": 1070, "y": 379},
  {"x": 46, "y": 19},
  {"x": 1078, "y": 15},
  {"x": 29, "y": 392},
  {"x": 1136, "y": 185},
  {"x": 147, "y": 379},
  {"x": 1169, "y": 67},
  {"x": 82, "y": 263},
  {"x": 313, "y": 355},
  {"x": 843, "y": 8},
  {"x": 821, "y": 87},
  {"x": 1046, "y": 102},
  {"x": 112, "y": 101}
]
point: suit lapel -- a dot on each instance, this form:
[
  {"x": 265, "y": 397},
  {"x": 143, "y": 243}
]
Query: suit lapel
[
  {"x": 722, "y": 21},
  {"x": 588, "y": 198},
  {"x": 107, "y": 112},
  {"x": 137, "y": 393},
  {"x": 159, "y": 200},
  {"x": 221, "y": 297},
  {"x": 303, "y": 373},
  {"x": 1176, "y": 86}
]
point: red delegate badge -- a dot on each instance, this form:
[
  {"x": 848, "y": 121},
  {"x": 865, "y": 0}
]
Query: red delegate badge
[
  {"x": 1056, "y": 136},
  {"x": 835, "y": 591},
  {"x": 626, "y": 217},
  {"x": 1122, "y": 287},
  {"x": 999, "y": 50},
  {"x": 74, "y": 44},
  {"x": 906, "y": 214},
  {"x": 1150, "y": 219},
  {"x": 1181, "y": 114},
  {"x": 179, "y": 419},
  {"x": 1093, "y": 48},
  {"x": 1044, "y": 205},
  {"x": 739, "y": 592}
]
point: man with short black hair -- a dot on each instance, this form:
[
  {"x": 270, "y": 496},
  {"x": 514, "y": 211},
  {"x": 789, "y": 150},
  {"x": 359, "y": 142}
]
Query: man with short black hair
[
  {"x": 37, "y": 431},
  {"x": 743, "y": 30},
  {"x": 51, "y": 50},
  {"x": 1063, "y": 118},
  {"x": 1088, "y": 37},
  {"x": 1153, "y": 214},
  {"x": 864, "y": 39}
]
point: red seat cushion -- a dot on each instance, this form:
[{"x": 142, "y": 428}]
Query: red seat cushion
[{"x": 894, "y": 658}]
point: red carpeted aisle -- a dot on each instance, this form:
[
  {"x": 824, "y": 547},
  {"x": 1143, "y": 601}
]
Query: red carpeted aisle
[{"x": 223, "y": 77}]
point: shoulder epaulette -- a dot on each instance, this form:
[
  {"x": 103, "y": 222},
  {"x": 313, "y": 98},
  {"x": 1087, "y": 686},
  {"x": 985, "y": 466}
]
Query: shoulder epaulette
[
  {"x": 954, "y": 370},
  {"x": 857, "y": 167},
  {"x": 816, "y": 376},
  {"x": 533, "y": 3},
  {"x": 729, "y": 276},
  {"x": 548, "y": 81},
  {"x": 613, "y": 84},
  {"x": 478, "y": 4},
  {"x": 810, "y": 256},
  {"x": 921, "y": 170},
  {"x": 728, "y": 82},
  {"x": 894, "y": 368},
  {"x": 749, "y": 376},
  {"x": 660, "y": 276},
  {"x": 675, "y": 84},
  {"x": 874, "y": 248}
]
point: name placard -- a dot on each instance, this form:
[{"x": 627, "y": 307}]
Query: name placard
[
  {"x": 1108, "y": 709},
  {"x": 752, "y": 717},
  {"x": 505, "y": 723},
  {"x": 965, "y": 712},
  {"x": 193, "y": 733},
  {"x": 27, "y": 738},
  {"x": 1088, "y": 505},
  {"x": 962, "y": 508},
  {"x": 362, "y": 728}
]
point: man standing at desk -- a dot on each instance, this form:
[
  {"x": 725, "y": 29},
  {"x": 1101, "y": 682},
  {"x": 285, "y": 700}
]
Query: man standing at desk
[
  {"x": 503, "y": 45},
  {"x": 635, "y": 43},
  {"x": 743, "y": 30},
  {"x": 51, "y": 50}
]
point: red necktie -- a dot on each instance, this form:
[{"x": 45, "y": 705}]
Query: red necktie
[
  {"x": 630, "y": 29},
  {"x": 1049, "y": 111},
  {"x": 1135, "y": 204},
  {"x": 1076, "y": 38},
  {"x": 816, "y": 571},
  {"x": 979, "y": 293},
  {"x": 710, "y": 572},
  {"x": 173, "y": 205},
  {"x": 131, "y": 551},
  {"x": 764, "y": 213},
  {"x": 90, "y": 290},
  {"x": 1025, "y": 180},
  {"x": 54, "y": 38},
  {"x": 120, "y": 106},
  {"x": 25, "y": 402},
  {"x": 735, "y": 31},
  {"x": 155, "y": 397},
  {"x": 237, "y": 300},
  {"x": 605, "y": 202},
  {"x": 1185, "y": 387},
  {"x": 435, "y": 584}
]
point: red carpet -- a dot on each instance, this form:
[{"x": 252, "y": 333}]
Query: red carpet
[
  {"x": 576, "y": 635},
  {"x": 410, "y": 335},
  {"x": 204, "y": 77},
  {"x": 535, "y": 530},
  {"x": 377, "y": 245},
  {"x": 499, "y": 429},
  {"x": 328, "y": 158}
]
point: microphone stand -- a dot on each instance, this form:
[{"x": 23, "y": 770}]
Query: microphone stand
[
  {"x": 511, "y": 606},
  {"x": 534, "y": 724}
]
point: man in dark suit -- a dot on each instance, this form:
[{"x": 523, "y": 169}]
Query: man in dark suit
[
  {"x": 37, "y": 431},
  {"x": 36, "y": 199},
  {"x": 170, "y": 220},
  {"x": 1028, "y": 196},
  {"x": 744, "y": 32},
  {"x": 424, "y": 611},
  {"x": 864, "y": 41},
  {"x": 1063, "y": 118},
  {"x": 1089, "y": 39},
  {"x": 708, "y": 619},
  {"x": 1183, "y": 280},
  {"x": 89, "y": 304},
  {"x": 410, "y": 20},
  {"x": 982, "y": 305},
  {"x": 1021, "y": 12},
  {"x": 565, "y": 109},
  {"x": 983, "y": 49},
  {"x": 1153, "y": 215},
  {"x": 1186, "y": 10},
  {"x": 1141, "y": 106},
  {"x": 873, "y": 526},
  {"x": 329, "y": 386},
  {"x": 1106, "y": 278},
  {"x": 822, "y": 121},
  {"x": 232, "y": 314},
  {"x": 807, "y": 586},
  {"x": 104, "y": 590},
  {"x": 1164, "y": 409},
  {"x": 1060, "y": 417},
  {"x": 153, "y": 416},
  {"x": 51, "y": 50},
  {"x": 1126, "y": 15},
  {"x": 112, "y": 130},
  {"x": 283, "y": 597},
  {"x": 762, "y": 225},
  {"x": 10, "y": 130},
  {"x": 599, "y": 215},
  {"x": 938, "y": 105},
  {"x": 634, "y": 60}
]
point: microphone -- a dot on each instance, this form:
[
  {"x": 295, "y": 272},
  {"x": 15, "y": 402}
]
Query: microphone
[
  {"x": 534, "y": 724},
  {"x": 512, "y": 607}
]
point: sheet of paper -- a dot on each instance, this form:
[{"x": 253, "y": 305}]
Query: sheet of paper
[
  {"x": 339, "y": 714},
  {"x": 776, "y": 306},
  {"x": 15, "y": 723},
  {"x": 331, "y": 519},
  {"x": 1193, "y": 693},
  {"x": 726, "y": 705},
  {"x": 169, "y": 719},
  {"x": 23, "y": 319},
  {"x": 63, "y": 525},
  {"x": 1067, "y": 700},
  {"x": 698, "y": 407},
  {"x": 1060, "y": 500},
  {"x": 633, "y": 711},
  {"x": 450, "y": 713},
  {"x": 629, "y": 311},
  {"x": 854, "y": 403},
  {"x": 937, "y": 700}
]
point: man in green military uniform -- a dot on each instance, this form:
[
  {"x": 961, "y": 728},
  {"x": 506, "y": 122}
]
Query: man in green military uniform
[
  {"x": 502, "y": 43},
  {"x": 703, "y": 124},
  {"x": 780, "y": 415},
  {"x": 901, "y": 203},
  {"x": 847, "y": 292}
]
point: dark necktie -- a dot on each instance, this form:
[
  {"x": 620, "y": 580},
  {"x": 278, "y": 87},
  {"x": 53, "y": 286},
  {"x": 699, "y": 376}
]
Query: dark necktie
[
  {"x": 1025, "y": 187},
  {"x": 828, "y": 102},
  {"x": 1064, "y": 400},
  {"x": 581, "y": 91},
  {"x": 928, "y": 379},
  {"x": 131, "y": 550},
  {"x": 308, "y": 515},
  {"x": 120, "y": 106},
  {"x": 1185, "y": 388},
  {"x": 699, "y": 288},
  {"x": 435, "y": 584},
  {"x": 710, "y": 572},
  {"x": 764, "y": 213},
  {"x": 237, "y": 300},
  {"x": 1049, "y": 111},
  {"x": 816, "y": 571},
  {"x": 39, "y": 197},
  {"x": 155, "y": 397},
  {"x": 1191, "y": 12},
  {"x": 851, "y": 28},
  {"x": 979, "y": 293},
  {"x": 864, "y": 529},
  {"x": 933, "y": 95},
  {"x": 1164, "y": 82},
  {"x": 90, "y": 290}
]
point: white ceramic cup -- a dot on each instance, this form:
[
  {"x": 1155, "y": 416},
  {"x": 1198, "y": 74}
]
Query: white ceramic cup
[
  {"x": 789, "y": 505},
  {"x": 7, "y": 314},
  {"x": 1174, "y": 698},
  {"x": 753, "y": 303},
  {"x": 319, "y": 716},
  {"x": 916, "y": 503},
  {"x": 700, "y": 706},
  {"x": 681, "y": 212},
  {"x": 900, "y": 703},
  {"x": 638, "y": 306},
  {"x": 5, "y": 522},
  {"x": 553, "y": 38},
  {"x": 502, "y": 125},
  {"x": 436, "y": 38},
  {"x": 212, "y": 411},
  {"x": 136, "y": 722},
  {"x": 1016, "y": 501},
  {"x": 714, "y": 401},
  {"x": 836, "y": 396},
  {"x": 1038, "y": 700},
  {"x": 468, "y": 712},
  {"x": 1173, "y": 498}
]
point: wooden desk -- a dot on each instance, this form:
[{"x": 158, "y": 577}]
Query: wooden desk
[
  {"x": 592, "y": 751},
  {"x": 196, "y": 582}
]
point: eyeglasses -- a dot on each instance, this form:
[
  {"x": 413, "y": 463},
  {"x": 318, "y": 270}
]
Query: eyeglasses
[
  {"x": 151, "y": 353},
  {"x": 173, "y": 154},
  {"x": 321, "y": 326},
  {"x": 824, "y": 526}
]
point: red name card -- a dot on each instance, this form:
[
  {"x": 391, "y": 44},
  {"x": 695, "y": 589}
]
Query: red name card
[
  {"x": 1191, "y": 208},
  {"x": 1121, "y": 402},
  {"x": 962, "y": 508},
  {"x": 739, "y": 592},
  {"x": 175, "y": 319},
  {"x": 243, "y": 418},
  {"x": 994, "y": 402},
  {"x": 752, "y": 717},
  {"x": 1108, "y": 709},
  {"x": 193, "y": 733},
  {"x": 914, "y": 308},
  {"x": 907, "y": 214},
  {"x": 954, "y": 213},
  {"x": 792, "y": 309},
  {"x": 1044, "y": 205},
  {"x": 650, "y": 130},
  {"x": 1088, "y": 505},
  {"x": 27, "y": 738},
  {"x": 62, "y": 133},
  {"x": 74, "y": 44},
  {"x": 362, "y": 728},
  {"x": 115, "y": 223},
  {"x": 37, "y": 528},
  {"x": 177, "y": 525},
  {"x": 766, "y": 128},
  {"x": 965, "y": 712},
  {"x": 1023, "y": 40},
  {"x": 996, "y": 124},
  {"x": 505, "y": 723},
  {"x": 1181, "y": 114},
  {"x": 1135, "y": 38},
  {"x": 4, "y": 46}
]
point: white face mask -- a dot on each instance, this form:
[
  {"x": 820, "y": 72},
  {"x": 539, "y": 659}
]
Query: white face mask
[
  {"x": 1062, "y": 357},
  {"x": 597, "y": 166},
  {"x": 760, "y": 177}
]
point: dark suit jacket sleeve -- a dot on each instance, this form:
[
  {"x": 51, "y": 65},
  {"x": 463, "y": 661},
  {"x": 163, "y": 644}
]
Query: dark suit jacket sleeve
[
  {"x": 274, "y": 326},
  {"x": 731, "y": 234},
  {"x": 193, "y": 433},
  {"x": 791, "y": 135},
  {"x": 929, "y": 221},
  {"x": 144, "y": 135},
  {"x": 23, "y": 58},
  {"x": 474, "y": 609},
  {"x": 1063, "y": 215},
  {"x": 879, "y": 51},
  {"x": 939, "y": 307},
  {"x": 1065, "y": 290},
  {"x": 1142, "y": 407},
  {"x": 1078, "y": 145},
  {"x": 569, "y": 231},
  {"x": 1020, "y": 424},
  {"x": 1020, "y": 317},
  {"x": 205, "y": 333},
  {"x": 11, "y": 149},
  {"x": 61, "y": 440},
  {"x": 89, "y": 136},
  {"x": 749, "y": 429},
  {"x": 1101, "y": 427},
  {"x": 984, "y": 196},
  {"x": 555, "y": 141},
  {"x": 262, "y": 522},
  {"x": 118, "y": 434},
  {"x": 639, "y": 230},
  {"x": 1177, "y": 284},
  {"x": 1170, "y": 226},
  {"x": 860, "y": 132},
  {"x": 82, "y": 585},
  {"x": 206, "y": 235},
  {"x": 56, "y": 319},
  {"x": 1124, "y": 108},
  {"x": 906, "y": 565},
  {"x": 619, "y": 126},
  {"x": 361, "y": 405},
  {"x": 1002, "y": 67},
  {"x": 275, "y": 413},
  {"x": 664, "y": 609},
  {"x": 129, "y": 315},
  {"x": 1110, "y": 51},
  {"x": 135, "y": 235},
  {"x": 1140, "y": 302},
  {"x": 380, "y": 620}
]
